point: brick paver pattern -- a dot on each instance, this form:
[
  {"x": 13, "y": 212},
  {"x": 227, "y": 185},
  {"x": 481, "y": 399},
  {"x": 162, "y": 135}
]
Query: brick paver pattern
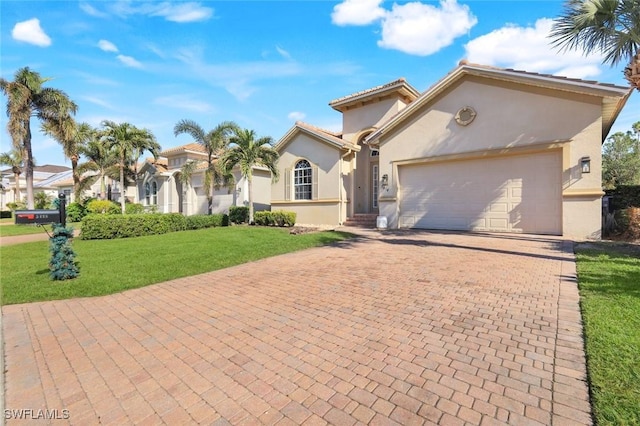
[{"x": 398, "y": 327}]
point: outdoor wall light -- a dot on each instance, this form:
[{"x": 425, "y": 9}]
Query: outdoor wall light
[
  {"x": 384, "y": 183},
  {"x": 585, "y": 164}
]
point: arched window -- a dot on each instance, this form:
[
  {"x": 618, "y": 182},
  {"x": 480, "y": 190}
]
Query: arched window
[
  {"x": 154, "y": 193},
  {"x": 147, "y": 193},
  {"x": 303, "y": 180}
]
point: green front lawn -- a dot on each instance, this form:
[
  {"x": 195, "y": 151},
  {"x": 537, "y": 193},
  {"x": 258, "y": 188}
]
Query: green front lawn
[
  {"x": 13, "y": 230},
  {"x": 111, "y": 266},
  {"x": 609, "y": 281}
]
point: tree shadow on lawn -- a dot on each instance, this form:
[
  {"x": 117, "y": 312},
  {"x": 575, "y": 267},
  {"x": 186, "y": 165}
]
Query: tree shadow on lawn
[{"x": 622, "y": 278}]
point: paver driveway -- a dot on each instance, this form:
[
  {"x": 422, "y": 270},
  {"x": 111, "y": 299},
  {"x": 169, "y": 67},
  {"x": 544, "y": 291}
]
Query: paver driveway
[{"x": 411, "y": 328}]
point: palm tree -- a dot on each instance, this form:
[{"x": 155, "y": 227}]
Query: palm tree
[
  {"x": 186, "y": 173},
  {"x": 215, "y": 142},
  {"x": 100, "y": 159},
  {"x": 247, "y": 152},
  {"x": 608, "y": 26},
  {"x": 72, "y": 136},
  {"x": 129, "y": 143},
  {"x": 26, "y": 98},
  {"x": 14, "y": 159}
]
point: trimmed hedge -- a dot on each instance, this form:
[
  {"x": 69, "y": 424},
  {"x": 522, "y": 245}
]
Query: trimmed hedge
[
  {"x": 200, "y": 221},
  {"x": 99, "y": 227},
  {"x": 133, "y": 208},
  {"x": 75, "y": 212},
  {"x": 275, "y": 218},
  {"x": 239, "y": 214}
]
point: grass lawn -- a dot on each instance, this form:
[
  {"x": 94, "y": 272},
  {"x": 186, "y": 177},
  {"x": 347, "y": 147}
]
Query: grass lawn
[
  {"x": 609, "y": 282},
  {"x": 13, "y": 230},
  {"x": 111, "y": 266}
]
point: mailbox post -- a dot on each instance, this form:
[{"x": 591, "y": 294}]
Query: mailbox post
[{"x": 43, "y": 217}]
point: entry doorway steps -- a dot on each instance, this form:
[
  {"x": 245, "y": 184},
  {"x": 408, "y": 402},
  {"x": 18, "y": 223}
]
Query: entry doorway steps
[{"x": 362, "y": 220}]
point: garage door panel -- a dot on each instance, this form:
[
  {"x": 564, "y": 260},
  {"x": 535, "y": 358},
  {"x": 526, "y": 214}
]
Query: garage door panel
[{"x": 509, "y": 194}]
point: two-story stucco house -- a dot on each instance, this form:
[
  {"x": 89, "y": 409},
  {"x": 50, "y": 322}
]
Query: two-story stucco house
[{"x": 484, "y": 149}]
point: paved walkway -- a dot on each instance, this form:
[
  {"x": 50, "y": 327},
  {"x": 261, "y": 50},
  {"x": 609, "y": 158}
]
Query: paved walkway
[{"x": 406, "y": 328}]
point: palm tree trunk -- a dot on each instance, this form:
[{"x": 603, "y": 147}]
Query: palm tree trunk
[
  {"x": 103, "y": 186},
  {"x": 16, "y": 190},
  {"x": 250, "y": 188},
  {"x": 29, "y": 164},
  {"x": 76, "y": 178},
  {"x": 122, "y": 206}
]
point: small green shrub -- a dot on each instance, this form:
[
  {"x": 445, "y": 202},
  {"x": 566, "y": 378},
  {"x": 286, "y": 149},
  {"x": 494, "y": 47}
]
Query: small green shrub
[
  {"x": 17, "y": 206},
  {"x": 103, "y": 207},
  {"x": 42, "y": 200},
  {"x": 99, "y": 226},
  {"x": 275, "y": 218},
  {"x": 62, "y": 265},
  {"x": 75, "y": 212},
  {"x": 239, "y": 214},
  {"x": 200, "y": 221},
  {"x": 134, "y": 208}
]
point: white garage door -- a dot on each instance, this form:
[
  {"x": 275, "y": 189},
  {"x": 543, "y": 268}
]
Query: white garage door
[{"x": 520, "y": 193}]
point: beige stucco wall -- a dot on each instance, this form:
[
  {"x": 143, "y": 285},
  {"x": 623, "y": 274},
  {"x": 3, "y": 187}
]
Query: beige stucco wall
[
  {"x": 322, "y": 155},
  {"x": 367, "y": 116},
  {"x": 311, "y": 212},
  {"x": 507, "y": 118}
]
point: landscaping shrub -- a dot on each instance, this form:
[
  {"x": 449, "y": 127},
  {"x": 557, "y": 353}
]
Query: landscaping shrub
[
  {"x": 98, "y": 226},
  {"x": 239, "y": 214},
  {"x": 134, "y": 208},
  {"x": 200, "y": 221},
  {"x": 633, "y": 226},
  {"x": 75, "y": 212},
  {"x": 62, "y": 265},
  {"x": 624, "y": 197},
  {"x": 17, "y": 206},
  {"x": 5, "y": 214},
  {"x": 103, "y": 207},
  {"x": 275, "y": 218}
]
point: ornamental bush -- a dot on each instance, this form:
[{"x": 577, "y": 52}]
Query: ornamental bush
[
  {"x": 98, "y": 226},
  {"x": 62, "y": 265},
  {"x": 200, "y": 221},
  {"x": 75, "y": 212},
  {"x": 103, "y": 207},
  {"x": 134, "y": 208},
  {"x": 275, "y": 218},
  {"x": 239, "y": 214}
]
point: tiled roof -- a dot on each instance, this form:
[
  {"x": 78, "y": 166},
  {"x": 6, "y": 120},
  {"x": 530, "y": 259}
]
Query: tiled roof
[
  {"x": 51, "y": 168},
  {"x": 400, "y": 85},
  {"x": 325, "y": 135},
  {"x": 188, "y": 147}
]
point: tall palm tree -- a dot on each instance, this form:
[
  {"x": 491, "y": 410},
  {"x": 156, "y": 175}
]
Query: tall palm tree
[
  {"x": 129, "y": 142},
  {"x": 608, "y": 26},
  {"x": 186, "y": 173},
  {"x": 15, "y": 160},
  {"x": 100, "y": 159},
  {"x": 215, "y": 142},
  {"x": 72, "y": 136},
  {"x": 247, "y": 152},
  {"x": 26, "y": 97}
]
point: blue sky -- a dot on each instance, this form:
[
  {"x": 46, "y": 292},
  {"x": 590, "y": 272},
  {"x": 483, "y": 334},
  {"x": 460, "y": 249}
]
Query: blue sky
[{"x": 265, "y": 64}]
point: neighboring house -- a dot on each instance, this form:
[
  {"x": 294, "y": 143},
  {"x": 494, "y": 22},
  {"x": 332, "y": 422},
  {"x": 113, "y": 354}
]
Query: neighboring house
[
  {"x": 45, "y": 179},
  {"x": 160, "y": 186},
  {"x": 484, "y": 149}
]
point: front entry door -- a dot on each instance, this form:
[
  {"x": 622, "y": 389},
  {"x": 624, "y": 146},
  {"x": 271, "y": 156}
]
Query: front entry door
[{"x": 374, "y": 179}]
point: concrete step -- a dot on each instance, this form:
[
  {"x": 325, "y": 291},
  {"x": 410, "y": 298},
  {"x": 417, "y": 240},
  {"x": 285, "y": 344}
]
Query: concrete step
[{"x": 364, "y": 220}]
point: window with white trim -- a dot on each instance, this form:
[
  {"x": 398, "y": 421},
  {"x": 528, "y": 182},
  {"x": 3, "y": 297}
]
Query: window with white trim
[
  {"x": 154, "y": 193},
  {"x": 147, "y": 193},
  {"x": 303, "y": 180}
]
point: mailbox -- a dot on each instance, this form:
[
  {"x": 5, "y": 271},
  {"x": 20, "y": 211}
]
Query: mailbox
[{"x": 38, "y": 217}]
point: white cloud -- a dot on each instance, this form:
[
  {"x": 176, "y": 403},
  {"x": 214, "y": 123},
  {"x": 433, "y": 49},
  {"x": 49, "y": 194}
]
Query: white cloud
[
  {"x": 529, "y": 48},
  {"x": 296, "y": 116},
  {"x": 174, "y": 12},
  {"x": 283, "y": 52},
  {"x": 186, "y": 102},
  {"x": 357, "y": 12},
  {"x": 30, "y": 32},
  {"x": 129, "y": 61},
  {"x": 183, "y": 12},
  {"x": 97, "y": 101},
  {"x": 422, "y": 29},
  {"x": 107, "y": 46},
  {"x": 92, "y": 11}
]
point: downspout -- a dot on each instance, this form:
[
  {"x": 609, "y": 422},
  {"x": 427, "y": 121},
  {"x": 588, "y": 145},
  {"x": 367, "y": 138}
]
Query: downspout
[{"x": 340, "y": 189}]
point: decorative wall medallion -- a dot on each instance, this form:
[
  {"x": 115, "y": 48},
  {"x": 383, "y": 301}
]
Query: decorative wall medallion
[{"x": 465, "y": 116}]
